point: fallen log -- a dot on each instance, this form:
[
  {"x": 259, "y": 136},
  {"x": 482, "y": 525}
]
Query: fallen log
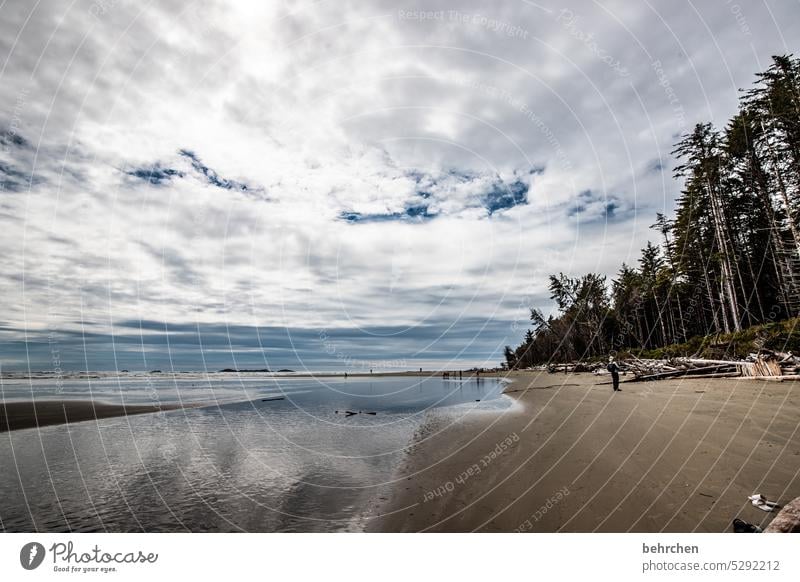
[
  {"x": 704, "y": 361},
  {"x": 787, "y": 520},
  {"x": 726, "y": 368},
  {"x": 731, "y": 374}
]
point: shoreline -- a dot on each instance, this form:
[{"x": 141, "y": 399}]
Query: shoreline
[
  {"x": 11, "y": 376},
  {"x": 24, "y": 414},
  {"x": 674, "y": 456},
  {"x": 20, "y": 415}
]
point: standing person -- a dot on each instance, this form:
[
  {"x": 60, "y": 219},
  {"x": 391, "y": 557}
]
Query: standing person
[{"x": 614, "y": 369}]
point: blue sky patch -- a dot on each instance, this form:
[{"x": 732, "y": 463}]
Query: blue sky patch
[
  {"x": 155, "y": 174},
  {"x": 504, "y": 196},
  {"x": 414, "y": 213},
  {"x": 211, "y": 176}
]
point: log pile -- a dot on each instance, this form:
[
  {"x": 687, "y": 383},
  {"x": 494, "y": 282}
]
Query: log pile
[
  {"x": 576, "y": 367},
  {"x": 764, "y": 364},
  {"x": 678, "y": 367},
  {"x": 789, "y": 364}
]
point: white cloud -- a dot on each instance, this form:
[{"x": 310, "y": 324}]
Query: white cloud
[{"x": 336, "y": 108}]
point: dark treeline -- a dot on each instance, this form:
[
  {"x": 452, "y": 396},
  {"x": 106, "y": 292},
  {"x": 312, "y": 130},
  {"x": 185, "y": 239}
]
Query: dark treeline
[{"x": 727, "y": 260}]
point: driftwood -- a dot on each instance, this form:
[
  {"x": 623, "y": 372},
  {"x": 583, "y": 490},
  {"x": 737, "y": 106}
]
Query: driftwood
[
  {"x": 787, "y": 520},
  {"x": 716, "y": 370},
  {"x": 575, "y": 367},
  {"x": 349, "y": 413},
  {"x": 765, "y": 364}
]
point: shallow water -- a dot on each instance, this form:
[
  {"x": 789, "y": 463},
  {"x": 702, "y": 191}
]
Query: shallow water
[{"x": 241, "y": 464}]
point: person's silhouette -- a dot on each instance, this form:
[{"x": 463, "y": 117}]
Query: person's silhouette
[{"x": 614, "y": 369}]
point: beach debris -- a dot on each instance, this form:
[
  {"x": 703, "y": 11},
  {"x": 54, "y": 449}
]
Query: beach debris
[
  {"x": 766, "y": 364},
  {"x": 741, "y": 526},
  {"x": 787, "y": 520},
  {"x": 349, "y": 413},
  {"x": 762, "y": 503},
  {"x": 594, "y": 367},
  {"x": 644, "y": 370}
]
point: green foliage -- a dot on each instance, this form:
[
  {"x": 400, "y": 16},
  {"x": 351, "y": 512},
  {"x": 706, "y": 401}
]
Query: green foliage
[
  {"x": 782, "y": 336},
  {"x": 727, "y": 270}
]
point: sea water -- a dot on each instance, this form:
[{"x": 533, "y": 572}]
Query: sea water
[{"x": 258, "y": 454}]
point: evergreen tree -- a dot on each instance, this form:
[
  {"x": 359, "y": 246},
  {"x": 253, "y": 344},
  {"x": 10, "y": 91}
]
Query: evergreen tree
[{"x": 729, "y": 258}]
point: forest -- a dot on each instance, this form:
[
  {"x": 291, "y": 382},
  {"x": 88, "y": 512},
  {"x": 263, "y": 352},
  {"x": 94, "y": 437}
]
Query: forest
[{"x": 727, "y": 260}]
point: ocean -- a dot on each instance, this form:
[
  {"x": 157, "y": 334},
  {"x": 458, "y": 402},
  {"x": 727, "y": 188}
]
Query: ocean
[{"x": 260, "y": 454}]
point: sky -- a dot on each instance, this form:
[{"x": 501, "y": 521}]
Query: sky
[{"x": 321, "y": 185}]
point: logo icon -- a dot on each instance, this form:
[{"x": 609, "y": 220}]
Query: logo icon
[{"x": 31, "y": 555}]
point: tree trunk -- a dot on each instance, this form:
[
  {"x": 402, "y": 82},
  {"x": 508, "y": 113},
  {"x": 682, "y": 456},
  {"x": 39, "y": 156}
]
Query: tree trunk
[
  {"x": 727, "y": 270},
  {"x": 784, "y": 194}
]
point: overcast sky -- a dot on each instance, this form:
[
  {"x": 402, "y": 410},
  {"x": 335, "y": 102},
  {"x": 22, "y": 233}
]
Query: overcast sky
[{"x": 337, "y": 184}]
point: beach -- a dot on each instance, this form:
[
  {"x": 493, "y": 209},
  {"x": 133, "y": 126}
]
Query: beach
[
  {"x": 556, "y": 453},
  {"x": 670, "y": 456},
  {"x": 30, "y": 414}
]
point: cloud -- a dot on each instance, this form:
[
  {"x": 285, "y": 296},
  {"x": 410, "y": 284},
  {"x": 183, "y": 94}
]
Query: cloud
[
  {"x": 149, "y": 344},
  {"x": 451, "y": 193},
  {"x": 593, "y": 206},
  {"x": 14, "y": 180},
  {"x": 317, "y": 165}
]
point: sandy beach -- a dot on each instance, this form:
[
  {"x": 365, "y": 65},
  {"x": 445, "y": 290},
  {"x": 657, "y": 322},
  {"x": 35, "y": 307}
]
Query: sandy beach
[
  {"x": 20, "y": 415},
  {"x": 671, "y": 456}
]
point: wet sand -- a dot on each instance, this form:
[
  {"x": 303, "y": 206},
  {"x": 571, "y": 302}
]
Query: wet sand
[
  {"x": 19, "y": 415},
  {"x": 671, "y": 456}
]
